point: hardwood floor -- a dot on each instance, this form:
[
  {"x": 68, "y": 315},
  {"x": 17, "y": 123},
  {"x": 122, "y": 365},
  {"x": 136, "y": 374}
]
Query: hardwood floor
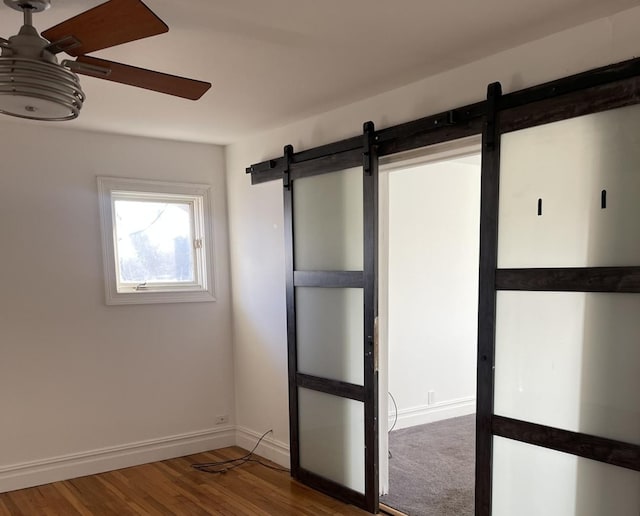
[{"x": 172, "y": 487}]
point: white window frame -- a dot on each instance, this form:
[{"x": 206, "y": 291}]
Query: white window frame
[{"x": 198, "y": 196}]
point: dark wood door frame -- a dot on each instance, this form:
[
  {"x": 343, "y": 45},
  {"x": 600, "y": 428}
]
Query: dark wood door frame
[
  {"x": 365, "y": 280},
  {"x": 593, "y": 91},
  {"x": 504, "y": 116}
]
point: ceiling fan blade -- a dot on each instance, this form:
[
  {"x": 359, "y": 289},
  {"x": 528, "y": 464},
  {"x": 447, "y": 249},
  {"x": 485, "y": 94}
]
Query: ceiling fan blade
[
  {"x": 142, "y": 78},
  {"x": 109, "y": 24}
]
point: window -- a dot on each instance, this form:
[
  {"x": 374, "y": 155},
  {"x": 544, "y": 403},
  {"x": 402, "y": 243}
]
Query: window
[{"x": 156, "y": 241}]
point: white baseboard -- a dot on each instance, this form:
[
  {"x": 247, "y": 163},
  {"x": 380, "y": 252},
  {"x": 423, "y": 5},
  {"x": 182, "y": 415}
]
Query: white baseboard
[
  {"x": 269, "y": 448},
  {"x": 29, "y": 474},
  {"x": 421, "y": 415}
]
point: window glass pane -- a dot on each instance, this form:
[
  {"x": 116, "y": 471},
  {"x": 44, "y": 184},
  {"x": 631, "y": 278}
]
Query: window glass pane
[
  {"x": 332, "y": 437},
  {"x": 533, "y": 481},
  {"x": 328, "y": 215},
  {"x": 570, "y": 360},
  {"x": 567, "y": 165},
  {"x": 154, "y": 241},
  {"x": 330, "y": 333}
]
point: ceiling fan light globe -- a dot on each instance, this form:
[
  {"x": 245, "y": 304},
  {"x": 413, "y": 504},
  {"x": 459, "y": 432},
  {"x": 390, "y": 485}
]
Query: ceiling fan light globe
[{"x": 34, "y": 108}]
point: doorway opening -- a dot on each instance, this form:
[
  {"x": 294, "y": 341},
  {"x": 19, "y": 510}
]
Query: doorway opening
[{"x": 429, "y": 255}]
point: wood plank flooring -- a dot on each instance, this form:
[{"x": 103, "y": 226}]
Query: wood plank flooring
[{"x": 172, "y": 487}]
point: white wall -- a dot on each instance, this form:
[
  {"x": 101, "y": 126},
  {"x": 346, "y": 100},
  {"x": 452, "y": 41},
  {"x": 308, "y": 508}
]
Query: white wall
[
  {"x": 86, "y": 387},
  {"x": 434, "y": 226},
  {"x": 256, "y": 216}
]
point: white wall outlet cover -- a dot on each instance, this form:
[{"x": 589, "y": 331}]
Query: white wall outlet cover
[{"x": 222, "y": 420}]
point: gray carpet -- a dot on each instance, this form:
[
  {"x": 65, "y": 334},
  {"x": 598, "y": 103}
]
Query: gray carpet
[{"x": 431, "y": 472}]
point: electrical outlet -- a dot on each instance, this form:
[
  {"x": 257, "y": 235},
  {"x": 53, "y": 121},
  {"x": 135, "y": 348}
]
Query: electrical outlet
[
  {"x": 222, "y": 420},
  {"x": 431, "y": 397}
]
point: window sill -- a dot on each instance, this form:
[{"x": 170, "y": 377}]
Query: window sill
[{"x": 151, "y": 297}]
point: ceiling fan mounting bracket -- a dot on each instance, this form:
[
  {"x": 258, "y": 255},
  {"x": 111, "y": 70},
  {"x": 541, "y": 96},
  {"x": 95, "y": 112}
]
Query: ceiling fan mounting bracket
[{"x": 34, "y": 6}]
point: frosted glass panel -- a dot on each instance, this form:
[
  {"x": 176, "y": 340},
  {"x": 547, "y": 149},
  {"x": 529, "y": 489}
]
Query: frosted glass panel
[
  {"x": 332, "y": 437},
  {"x": 567, "y": 164},
  {"x": 533, "y": 481},
  {"x": 328, "y": 221},
  {"x": 330, "y": 333},
  {"x": 570, "y": 360}
]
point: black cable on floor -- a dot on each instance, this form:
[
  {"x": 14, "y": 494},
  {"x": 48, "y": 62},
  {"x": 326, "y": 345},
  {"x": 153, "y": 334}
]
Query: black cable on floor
[
  {"x": 223, "y": 466},
  {"x": 396, "y": 412},
  {"x": 394, "y": 421}
]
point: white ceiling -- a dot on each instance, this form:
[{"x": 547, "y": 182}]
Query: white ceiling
[{"x": 276, "y": 61}]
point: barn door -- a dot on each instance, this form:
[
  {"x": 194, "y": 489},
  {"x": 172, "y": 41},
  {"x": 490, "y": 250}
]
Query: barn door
[
  {"x": 559, "y": 321},
  {"x": 331, "y": 221}
]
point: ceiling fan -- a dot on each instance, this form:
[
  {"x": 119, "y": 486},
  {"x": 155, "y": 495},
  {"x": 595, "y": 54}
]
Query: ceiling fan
[{"x": 34, "y": 85}]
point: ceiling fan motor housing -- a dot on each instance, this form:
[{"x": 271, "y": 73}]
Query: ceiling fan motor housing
[{"x": 28, "y": 43}]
